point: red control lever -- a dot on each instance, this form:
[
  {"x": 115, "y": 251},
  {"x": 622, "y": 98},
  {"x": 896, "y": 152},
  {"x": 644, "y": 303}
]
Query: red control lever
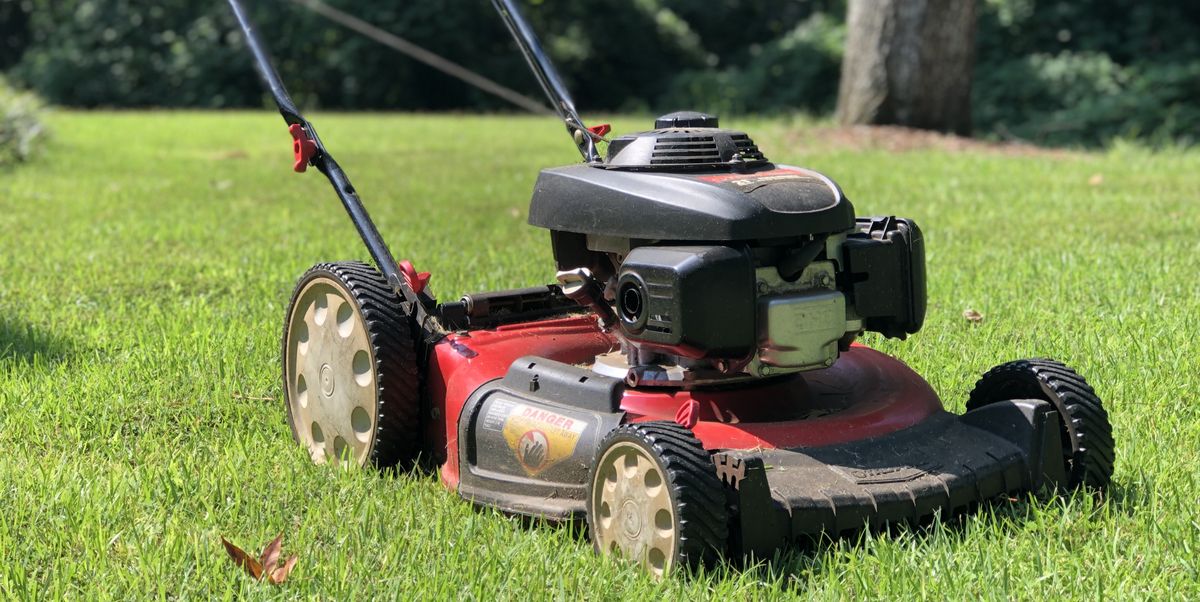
[
  {"x": 600, "y": 130},
  {"x": 302, "y": 146},
  {"x": 416, "y": 280}
]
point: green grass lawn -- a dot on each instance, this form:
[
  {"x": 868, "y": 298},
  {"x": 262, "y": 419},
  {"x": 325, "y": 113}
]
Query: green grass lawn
[{"x": 146, "y": 258}]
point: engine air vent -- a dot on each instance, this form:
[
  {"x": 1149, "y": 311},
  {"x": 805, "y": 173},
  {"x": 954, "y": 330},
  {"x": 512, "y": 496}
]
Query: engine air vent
[
  {"x": 672, "y": 150},
  {"x": 747, "y": 148},
  {"x": 685, "y": 148}
]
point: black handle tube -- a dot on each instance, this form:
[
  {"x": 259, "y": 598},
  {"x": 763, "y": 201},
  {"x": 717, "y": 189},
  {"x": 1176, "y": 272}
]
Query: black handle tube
[
  {"x": 366, "y": 228},
  {"x": 266, "y": 71},
  {"x": 548, "y": 78},
  {"x": 324, "y": 162}
]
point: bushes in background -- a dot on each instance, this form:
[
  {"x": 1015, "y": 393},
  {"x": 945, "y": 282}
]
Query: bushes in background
[
  {"x": 798, "y": 71},
  {"x": 1088, "y": 71},
  {"x": 614, "y": 54},
  {"x": 21, "y": 128},
  {"x": 1085, "y": 98}
]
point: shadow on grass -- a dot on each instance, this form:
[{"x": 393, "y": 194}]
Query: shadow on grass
[{"x": 27, "y": 345}]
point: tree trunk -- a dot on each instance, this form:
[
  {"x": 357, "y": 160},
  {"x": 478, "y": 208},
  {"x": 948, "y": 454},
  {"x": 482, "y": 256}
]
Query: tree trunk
[{"x": 908, "y": 62}]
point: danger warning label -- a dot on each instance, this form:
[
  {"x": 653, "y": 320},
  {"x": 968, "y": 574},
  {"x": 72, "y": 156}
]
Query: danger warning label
[{"x": 540, "y": 438}]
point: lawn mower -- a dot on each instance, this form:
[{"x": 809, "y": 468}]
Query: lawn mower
[{"x": 691, "y": 385}]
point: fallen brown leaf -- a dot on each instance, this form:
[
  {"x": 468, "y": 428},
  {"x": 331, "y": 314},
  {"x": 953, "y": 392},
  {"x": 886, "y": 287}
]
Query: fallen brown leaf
[
  {"x": 266, "y": 567},
  {"x": 270, "y": 555},
  {"x": 1096, "y": 179},
  {"x": 972, "y": 316},
  {"x": 242, "y": 559},
  {"x": 280, "y": 574}
]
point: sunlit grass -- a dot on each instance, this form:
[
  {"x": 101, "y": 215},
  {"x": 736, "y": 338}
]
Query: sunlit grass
[{"x": 145, "y": 261}]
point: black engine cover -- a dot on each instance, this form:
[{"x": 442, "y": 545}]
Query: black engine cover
[
  {"x": 696, "y": 302},
  {"x": 885, "y": 264},
  {"x": 769, "y": 201}
]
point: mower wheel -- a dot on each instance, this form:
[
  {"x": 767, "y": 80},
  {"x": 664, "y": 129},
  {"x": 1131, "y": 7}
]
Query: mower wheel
[
  {"x": 1086, "y": 432},
  {"x": 655, "y": 498},
  {"x": 350, "y": 378}
]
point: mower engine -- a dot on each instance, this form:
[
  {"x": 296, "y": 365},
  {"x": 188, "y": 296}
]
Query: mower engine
[{"x": 716, "y": 265}]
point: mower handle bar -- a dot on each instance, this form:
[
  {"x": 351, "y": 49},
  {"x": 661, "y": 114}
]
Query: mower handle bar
[
  {"x": 547, "y": 76},
  {"x": 324, "y": 162}
]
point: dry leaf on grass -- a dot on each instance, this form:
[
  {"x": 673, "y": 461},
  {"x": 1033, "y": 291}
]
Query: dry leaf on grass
[
  {"x": 265, "y": 567},
  {"x": 972, "y": 316},
  {"x": 1096, "y": 179}
]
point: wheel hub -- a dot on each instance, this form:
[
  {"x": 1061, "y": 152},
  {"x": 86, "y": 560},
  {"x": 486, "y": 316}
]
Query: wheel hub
[
  {"x": 631, "y": 522},
  {"x": 328, "y": 349},
  {"x": 327, "y": 380},
  {"x": 635, "y": 517}
]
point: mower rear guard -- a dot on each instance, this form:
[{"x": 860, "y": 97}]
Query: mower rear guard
[
  {"x": 943, "y": 465},
  {"x": 862, "y": 443}
]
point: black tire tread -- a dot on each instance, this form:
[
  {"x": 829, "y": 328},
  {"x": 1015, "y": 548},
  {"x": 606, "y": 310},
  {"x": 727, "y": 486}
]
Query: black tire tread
[{"x": 1088, "y": 441}]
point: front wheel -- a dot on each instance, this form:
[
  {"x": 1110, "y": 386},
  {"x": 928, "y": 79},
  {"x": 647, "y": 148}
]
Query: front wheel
[
  {"x": 1087, "y": 439},
  {"x": 655, "y": 498},
  {"x": 350, "y": 377}
]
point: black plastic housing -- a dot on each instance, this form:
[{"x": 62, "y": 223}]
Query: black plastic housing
[
  {"x": 695, "y": 302},
  {"x": 885, "y": 264},
  {"x": 766, "y": 202}
]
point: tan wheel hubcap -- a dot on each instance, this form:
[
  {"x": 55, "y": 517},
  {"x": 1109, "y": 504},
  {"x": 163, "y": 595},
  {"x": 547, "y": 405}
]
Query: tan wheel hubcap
[
  {"x": 330, "y": 373},
  {"x": 631, "y": 508}
]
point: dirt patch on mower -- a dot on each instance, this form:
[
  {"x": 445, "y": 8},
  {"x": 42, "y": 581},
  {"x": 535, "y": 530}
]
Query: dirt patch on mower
[{"x": 901, "y": 139}]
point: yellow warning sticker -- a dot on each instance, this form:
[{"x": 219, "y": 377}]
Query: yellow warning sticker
[{"x": 540, "y": 438}]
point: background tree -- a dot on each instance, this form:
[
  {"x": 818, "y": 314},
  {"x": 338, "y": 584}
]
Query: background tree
[{"x": 908, "y": 62}]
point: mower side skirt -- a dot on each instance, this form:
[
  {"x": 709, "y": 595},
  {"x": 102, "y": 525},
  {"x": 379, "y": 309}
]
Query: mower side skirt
[
  {"x": 527, "y": 441},
  {"x": 943, "y": 465}
]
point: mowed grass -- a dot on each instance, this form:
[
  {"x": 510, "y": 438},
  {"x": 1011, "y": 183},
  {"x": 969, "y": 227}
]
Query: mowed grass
[{"x": 146, "y": 258}]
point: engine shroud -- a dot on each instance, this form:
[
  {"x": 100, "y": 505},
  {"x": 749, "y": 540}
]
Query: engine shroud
[
  {"x": 716, "y": 260},
  {"x": 752, "y": 202}
]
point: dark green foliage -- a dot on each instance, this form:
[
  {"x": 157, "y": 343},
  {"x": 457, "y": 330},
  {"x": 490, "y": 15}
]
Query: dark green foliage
[
  {"x": 798, "y": 70},
  {"x": 1085, "y": 72},
  {"x": 615, "y": 54},
  {"x": 1057, "y": 72},
  {"x": 14, "y": 30}
]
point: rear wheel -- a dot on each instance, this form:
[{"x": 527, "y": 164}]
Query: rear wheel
[
  {"x": 655, "y": 498},
  {"x": 1086, "y": 432},
  {"x": 351, "y": 383}
]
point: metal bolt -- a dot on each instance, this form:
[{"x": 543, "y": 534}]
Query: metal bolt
[
  {"x": 762, "y": 287},
  {"x": 764, "y": 370},
  {"x": 828, "y": 362}
]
